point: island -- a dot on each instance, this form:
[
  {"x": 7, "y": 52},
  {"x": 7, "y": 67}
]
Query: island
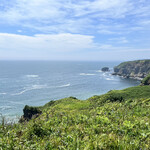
[
  {"x": 104, "y": 69},
  {"x": 138, "y": 69}
]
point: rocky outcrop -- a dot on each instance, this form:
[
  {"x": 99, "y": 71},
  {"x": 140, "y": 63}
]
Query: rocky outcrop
[
  {"x": 133, "y": 69},
  {"x": 104, "y": 69},
  {"x": 29, "y": 113}
]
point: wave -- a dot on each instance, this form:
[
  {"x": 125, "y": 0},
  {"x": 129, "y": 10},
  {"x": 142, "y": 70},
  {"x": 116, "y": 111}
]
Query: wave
[
  {"x": 98, "y": 70},
  {"x": 3, "y": 93},
  {"x": 33, "y": 87},
  {"x": 109, "y": 79},
  {"x": 10, "y": 119},
  {"x": 32, "y": 76},
  {"x": 13, "y": 102},
  {"x": 37, "y": 87},
  {"x": 87, "y": 74},
  {"x": 104, "y": 74},
  {"x": 66, "y": 85},
  {"x": 2, "y": 108}
]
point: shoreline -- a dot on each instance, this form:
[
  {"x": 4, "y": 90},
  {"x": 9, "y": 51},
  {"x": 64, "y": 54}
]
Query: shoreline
[{"x": 127, "y": 76}]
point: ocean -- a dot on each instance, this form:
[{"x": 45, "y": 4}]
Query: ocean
[{"x": 38, "y": 82}]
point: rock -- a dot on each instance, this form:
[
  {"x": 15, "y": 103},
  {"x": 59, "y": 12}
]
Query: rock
[
  {"x": 29, "y": 112},
  {"x": 105, "y": 69},
  {"x": 133, "y": 69}
]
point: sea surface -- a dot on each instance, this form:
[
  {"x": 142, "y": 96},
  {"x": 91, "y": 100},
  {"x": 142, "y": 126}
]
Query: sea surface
[{"x": 38, "y": 82}]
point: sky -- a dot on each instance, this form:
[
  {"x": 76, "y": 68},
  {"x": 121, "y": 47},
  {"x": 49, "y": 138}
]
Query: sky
[{"x": 93, "y": 30}]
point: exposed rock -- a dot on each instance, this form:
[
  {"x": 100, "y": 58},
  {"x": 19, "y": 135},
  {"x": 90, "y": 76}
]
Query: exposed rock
[
  {"x": 105, "y": 69},
  {"x": 29, "y": 112},
  {"x": 133, "y": 69}
]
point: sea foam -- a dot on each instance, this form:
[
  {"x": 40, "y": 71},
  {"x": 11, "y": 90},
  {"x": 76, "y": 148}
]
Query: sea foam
[
  {"x": 98, "y": 70},
  {"x": 37, "y": 87},
  {"x": 66, "y": 85},
  {"x": 109, "y": 78},
  {"x": 3, "y": 93},
  {"x": 87, "y": 74},
  {"x": 33, "y": 87},
  {"x": 32, "y": 76},
  {"x": 5, "y": 107}
]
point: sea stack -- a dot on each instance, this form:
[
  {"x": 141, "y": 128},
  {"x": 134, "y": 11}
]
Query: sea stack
[{"x": 104, "y": 69}]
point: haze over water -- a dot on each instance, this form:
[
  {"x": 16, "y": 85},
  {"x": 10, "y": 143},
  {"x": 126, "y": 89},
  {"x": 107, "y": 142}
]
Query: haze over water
[{"x": 37, "y": 82}]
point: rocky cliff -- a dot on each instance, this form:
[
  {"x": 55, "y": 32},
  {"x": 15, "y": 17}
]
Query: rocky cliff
[{"x": 138, "y": 69}]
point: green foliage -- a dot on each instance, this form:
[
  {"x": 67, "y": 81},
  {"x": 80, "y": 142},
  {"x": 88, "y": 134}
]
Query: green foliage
[
  {"x": 146, "y": 80},
  {"x": 29, "y": 112},
  {"x": 122, "y": 95},
  {"x": 134, "y": 69},
  {"x": 118, "y": 120}
]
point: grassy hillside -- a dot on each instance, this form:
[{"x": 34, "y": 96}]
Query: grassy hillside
[{"x": 116, "y": 120}]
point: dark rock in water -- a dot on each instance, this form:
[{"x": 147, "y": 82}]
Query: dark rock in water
[
  {"x": 105, "y": 69},
  {"x": 133, "y": 69},
  {"x": 29, "y": 112},
  {"x": 114, "y": 73}
]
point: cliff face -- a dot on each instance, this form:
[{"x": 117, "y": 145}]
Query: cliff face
[{"x": 133, "y": 69}]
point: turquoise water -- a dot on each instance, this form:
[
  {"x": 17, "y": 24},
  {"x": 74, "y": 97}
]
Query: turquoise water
[{"x": 37, "y": 82}]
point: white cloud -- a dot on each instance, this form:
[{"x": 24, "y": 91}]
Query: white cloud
[
  {"x": 55, "y": 19},
  {"x": 145, "y": 22},
  {"x": 106, "y": 31},
  {"x": 41, "y": 45},
  {"x": 19, "y": 31},
  {"x": 62, "y": 47},
  {"x": 122, "y": 40},
  {"x": 68, "y": 15},
  {"x": 33, "y": 10}
]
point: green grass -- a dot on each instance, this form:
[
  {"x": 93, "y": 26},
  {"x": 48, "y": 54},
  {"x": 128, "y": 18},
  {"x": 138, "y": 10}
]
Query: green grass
[{"x": 117, "y": 120}]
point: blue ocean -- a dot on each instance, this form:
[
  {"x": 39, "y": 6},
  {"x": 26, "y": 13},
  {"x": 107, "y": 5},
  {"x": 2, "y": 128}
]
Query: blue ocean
[{"x": 38, "y": 82}]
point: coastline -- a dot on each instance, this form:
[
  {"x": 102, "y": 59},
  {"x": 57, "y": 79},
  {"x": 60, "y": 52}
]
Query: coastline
[{"x": 127, "y": 76}]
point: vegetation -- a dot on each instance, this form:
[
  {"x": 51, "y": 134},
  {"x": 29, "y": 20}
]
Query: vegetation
[
  {"x": 146, "y": 80},
  {"x": 116, "y": 120},
  {"x": 134, "y": 69}
]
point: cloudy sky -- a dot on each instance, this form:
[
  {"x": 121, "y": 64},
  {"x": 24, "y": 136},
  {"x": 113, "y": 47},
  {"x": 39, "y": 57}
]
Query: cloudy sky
[{"x": 74, "y": 30}]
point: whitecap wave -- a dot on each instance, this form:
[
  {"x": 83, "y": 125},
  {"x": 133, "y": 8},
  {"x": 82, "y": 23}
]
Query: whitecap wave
[
  {"x": 109, "y": 78},
  {"x": 104, "y": 74},
  {"x": 3, "y": 93},
  {"x": 66, "y": 85},
  {"x": 33, "y": 87},
  {"x": 2, "y": 108},
  {"x": 13, "y": 102},
  {"x": 10, "y": 119},
  {"x": 32, "y": 76},
  {"x": 87, "y": 74},
  {"x": 37, "y": 87},
  {"x": 98, "y": 70}
]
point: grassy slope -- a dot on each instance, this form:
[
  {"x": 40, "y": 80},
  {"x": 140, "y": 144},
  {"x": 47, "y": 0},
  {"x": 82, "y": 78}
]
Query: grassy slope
[
  {"x": 116, "y": 120},
  {"x": 134, "y": 63}
]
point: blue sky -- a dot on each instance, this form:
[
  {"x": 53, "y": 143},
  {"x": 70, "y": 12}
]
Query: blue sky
[{"x": 74, "y": 30}]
